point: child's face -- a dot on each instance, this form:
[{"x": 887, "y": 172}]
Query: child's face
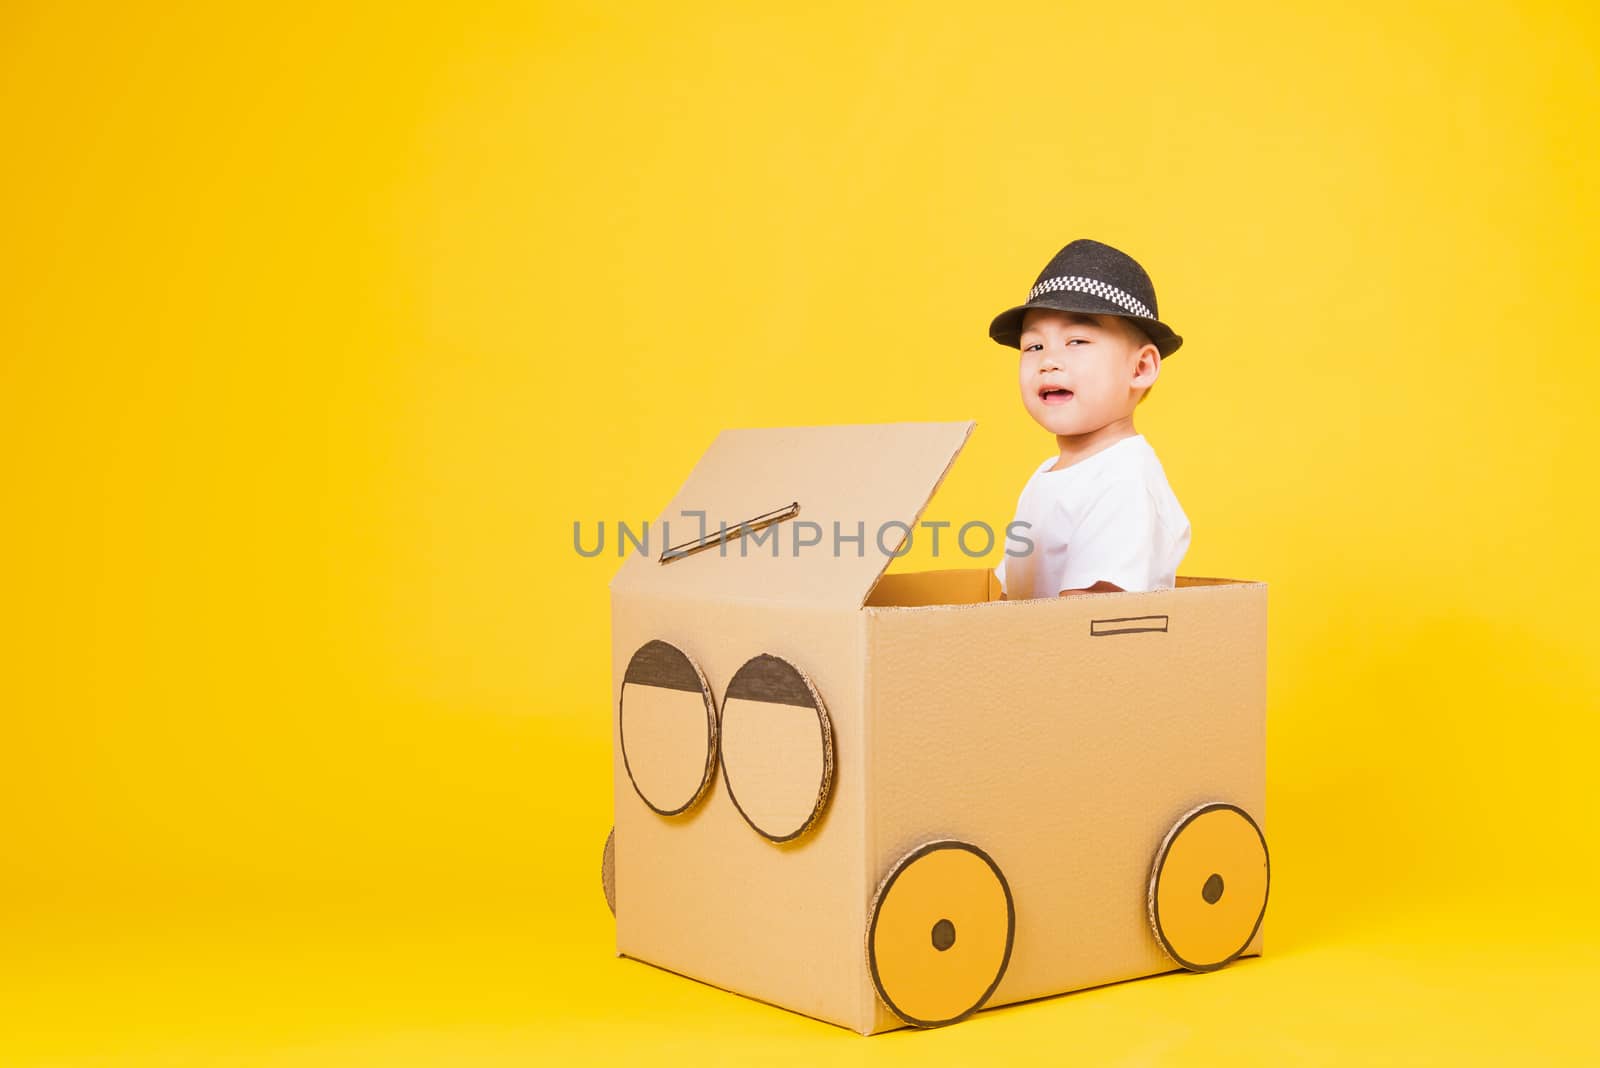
[{"x": 1082, "y": 372}]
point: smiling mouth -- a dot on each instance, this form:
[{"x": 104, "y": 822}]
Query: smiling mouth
[{"x": 1055, "y": 395}]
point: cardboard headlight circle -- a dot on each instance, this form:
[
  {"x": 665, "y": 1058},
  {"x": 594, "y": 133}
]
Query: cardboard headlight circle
[
  {"x": 668, "y": 727},
  {"x": 1208, "y": 886},
  {"x": 777, "y": 747},
  {"x": 940, "y": 934}
]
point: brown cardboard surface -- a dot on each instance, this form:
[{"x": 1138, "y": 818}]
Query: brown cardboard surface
[
  {"x": 1062, "y": 737},
  {"x": 1066, "y": 757},
  {"x": 917, "y": 588},
  {"x": 706, "y": 895},
  {"x": 862, "y": 476}
]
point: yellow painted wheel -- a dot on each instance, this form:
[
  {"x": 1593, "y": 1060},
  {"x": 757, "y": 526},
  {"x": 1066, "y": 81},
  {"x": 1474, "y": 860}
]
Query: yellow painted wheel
[
  {"x": 608, "y": 871},
  {"x": 1208, "y": 886},
  {"x": 940, "y": 934},
  {"x": 668, "y": 728}
]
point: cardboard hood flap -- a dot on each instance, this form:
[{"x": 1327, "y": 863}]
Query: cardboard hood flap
[{"x": 859, "y": 490}]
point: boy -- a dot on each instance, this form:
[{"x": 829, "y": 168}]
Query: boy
[{"x": 1100, "y": 515}]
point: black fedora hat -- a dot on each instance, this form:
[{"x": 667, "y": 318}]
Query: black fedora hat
[{"x": 1094, "y": 278}]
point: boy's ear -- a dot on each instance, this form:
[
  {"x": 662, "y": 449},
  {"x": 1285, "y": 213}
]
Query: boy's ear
[{"x": 1146, "y": 366}]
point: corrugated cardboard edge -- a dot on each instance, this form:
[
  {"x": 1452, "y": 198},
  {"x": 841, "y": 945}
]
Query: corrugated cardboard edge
[
  {"x": 923, "y": 507},
  {"x": 1189, "y": 591},
  {"x": 608, "y": 871},
  {"x": 867, "y": 1009}
]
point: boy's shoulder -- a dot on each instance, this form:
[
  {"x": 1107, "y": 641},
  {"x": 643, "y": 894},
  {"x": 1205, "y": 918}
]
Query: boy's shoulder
[
  {"x": 1134, "y": 459},
  {"x": 1130, "y": 460},
  {"x": 1126, "y": 474}
]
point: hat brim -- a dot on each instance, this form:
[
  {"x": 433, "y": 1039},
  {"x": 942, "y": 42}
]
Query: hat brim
[{"x": 1006, "y": 328}]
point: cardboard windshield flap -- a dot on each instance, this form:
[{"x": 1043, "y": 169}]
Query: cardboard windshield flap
[{"x": 911, "y": 799}]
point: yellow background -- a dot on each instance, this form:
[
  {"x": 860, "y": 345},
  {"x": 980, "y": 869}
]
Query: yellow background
[{"x": 323, "y": 323}]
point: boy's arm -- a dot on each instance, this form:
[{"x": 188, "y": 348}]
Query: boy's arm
[
  {"x": 1099, "y": 587},
  {"x": 1111, "y": 547}
]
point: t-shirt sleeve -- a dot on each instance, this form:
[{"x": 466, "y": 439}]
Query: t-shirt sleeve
[{"x": 1116, "y": 540}]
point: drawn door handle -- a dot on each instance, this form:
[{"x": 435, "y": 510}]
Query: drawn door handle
[
  {"x": 1101, "y": 628},
  {"x": 726, "y": 534}
]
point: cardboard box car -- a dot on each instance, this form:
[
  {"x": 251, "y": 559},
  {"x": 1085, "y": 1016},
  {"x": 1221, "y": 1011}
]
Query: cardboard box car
[{"x": 882, "y": 800}]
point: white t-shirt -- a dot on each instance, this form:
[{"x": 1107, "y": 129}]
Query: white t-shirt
[{"x": 1110, "y": 516}]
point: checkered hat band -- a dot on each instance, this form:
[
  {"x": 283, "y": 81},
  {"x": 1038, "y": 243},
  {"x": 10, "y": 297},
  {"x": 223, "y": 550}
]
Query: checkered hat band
[{"x": 1076, "y": 283}]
